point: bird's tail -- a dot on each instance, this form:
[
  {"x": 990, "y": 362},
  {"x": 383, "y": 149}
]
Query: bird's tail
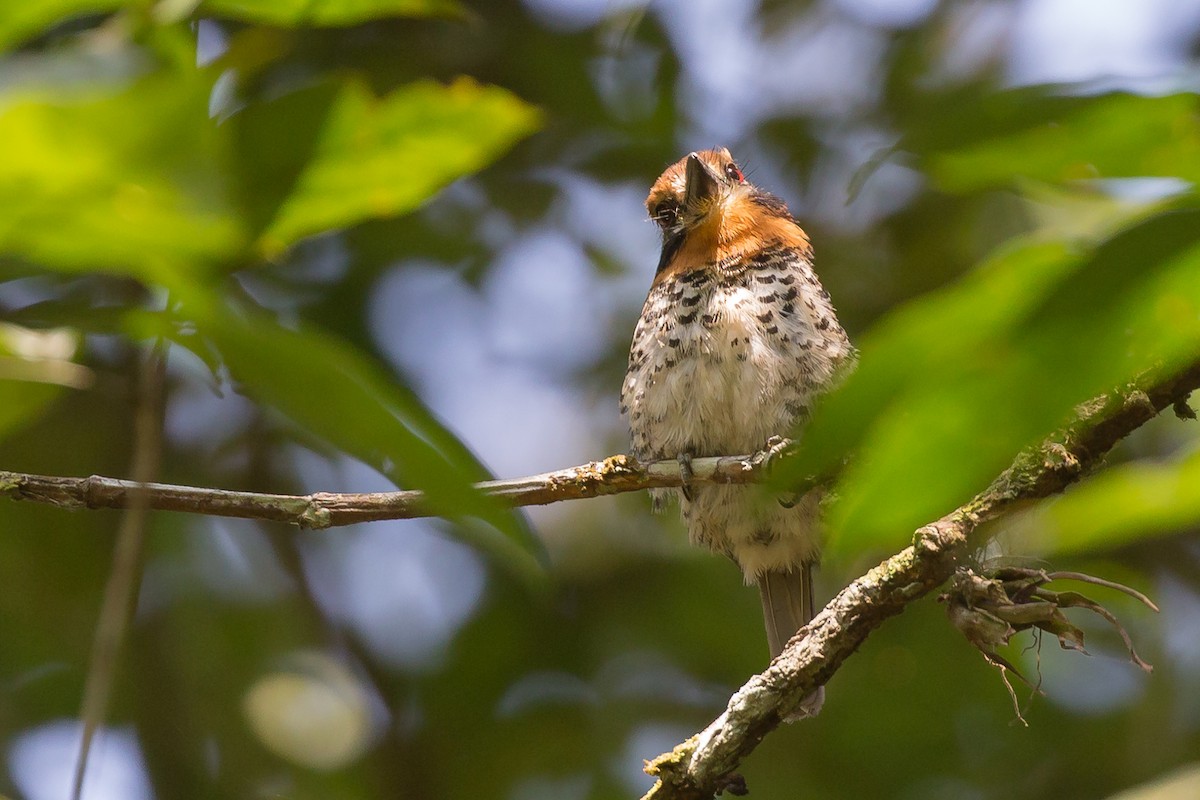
[{"x": 787, "y": 601}]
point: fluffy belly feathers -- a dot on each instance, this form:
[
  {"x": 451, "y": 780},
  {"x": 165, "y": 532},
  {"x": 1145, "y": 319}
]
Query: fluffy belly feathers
[{"x": 718, "y": 370}]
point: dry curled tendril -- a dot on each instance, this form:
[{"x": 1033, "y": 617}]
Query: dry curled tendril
[{"x": 990, "y": 608}]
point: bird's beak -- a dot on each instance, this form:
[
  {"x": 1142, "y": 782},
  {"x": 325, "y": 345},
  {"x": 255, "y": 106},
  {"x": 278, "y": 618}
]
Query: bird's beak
[{"x": 701, "y": 182}]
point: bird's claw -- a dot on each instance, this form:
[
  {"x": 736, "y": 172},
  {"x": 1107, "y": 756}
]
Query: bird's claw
[
  {"x": 775, "y": 447},
  {"x": 685, "y": 475}
]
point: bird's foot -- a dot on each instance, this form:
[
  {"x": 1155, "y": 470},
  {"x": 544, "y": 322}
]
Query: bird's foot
[
  {"x": 685, "y": 474},
  {"x": 775, "y": 448}
]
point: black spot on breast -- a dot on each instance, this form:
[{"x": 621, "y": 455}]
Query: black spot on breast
[
  {"x": 708, "y": 320},
  {"x": 790, "y": 294},
  {"x": 690, "y": 300},
  {"x": 773, "y": 329},
  {"x": 673, "y": 342},
  {"x": 688, "y": 319},
  {"x": 764, "y": 536},
  {"x": 766, "y": 316},
  {"x": 823, "y": 324},
  {"x": 795, "y": 409},
  {"x": 766, "y": 277},
  {"x": 788, "y": 280}
]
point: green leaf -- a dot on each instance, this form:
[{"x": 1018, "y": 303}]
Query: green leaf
[
  {"x": 274, "y": 141},
  {"x": 325, "y": 12},
  {"x": 35, "y": 367},
  {"x": 952, "y": 386},
  {"x": 946, "y": 327},
  {"x": 380, "y": 157},
  {"x": 334, "y": 392},
  {"x": 1065, "y": 139},
  {"x": 22, "y": 402},
  {"x": 22, "y": 20},
  {"x": 129, "y": 181},
  {"x": 1119, "y": 506}
]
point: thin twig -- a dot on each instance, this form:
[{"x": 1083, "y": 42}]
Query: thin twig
[
  {"x": 120, "y": 592},
  {"x": 1120, "y": 587}
]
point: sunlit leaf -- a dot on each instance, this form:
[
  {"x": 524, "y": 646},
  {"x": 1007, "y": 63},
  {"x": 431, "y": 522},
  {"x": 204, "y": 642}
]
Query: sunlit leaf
[
  {"x": 130, "y": 182},
  {"x": 21, "y": 20},
  {"x": 378, "y": 157},
  {"x": 1065, "y": 139},
  {"x": 335, "y": 393},
  {"x": 325, "y": 12}
]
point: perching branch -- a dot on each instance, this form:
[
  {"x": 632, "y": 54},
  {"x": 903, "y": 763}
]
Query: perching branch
[
  {"x": 613, "y": 475},
  {"x": 704, "y": 764}
]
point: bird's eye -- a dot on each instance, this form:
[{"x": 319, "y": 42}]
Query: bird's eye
[
  {"x": 666, "y": 213},
  {"x": 733, "y": 173}
]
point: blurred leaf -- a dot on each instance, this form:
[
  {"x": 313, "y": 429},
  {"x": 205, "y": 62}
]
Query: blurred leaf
[
  {"x": 1119, "y": 506},
  {"x": 130, "y": 182},
  {"x": 953, "y": 385},
  {"x": 1180, "y": 784},
  {"x": 35, "y": 367},
  {"x": 379, "y": 157},
  {"x": 325, "y": 12},
  {"x": 21, "y": 401},
  {"x": 274, "y": 141},
  {"x": 1065, "y": 139},
  {"x": 22, "y": 20},
  {"x": 336, "y": 393},
  {"x": 915, "y": 340}
]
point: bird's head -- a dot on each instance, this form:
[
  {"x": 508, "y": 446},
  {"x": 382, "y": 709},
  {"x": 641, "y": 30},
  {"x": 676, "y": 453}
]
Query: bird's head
[{"x": 708, "y": 212}]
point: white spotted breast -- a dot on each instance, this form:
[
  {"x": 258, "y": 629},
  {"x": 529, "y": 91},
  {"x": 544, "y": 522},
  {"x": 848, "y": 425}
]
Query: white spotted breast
[{"x": 726, "y": 356}]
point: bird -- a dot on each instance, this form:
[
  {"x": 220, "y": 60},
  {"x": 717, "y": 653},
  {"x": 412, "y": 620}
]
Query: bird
[{"x": 735, "y": 342}]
